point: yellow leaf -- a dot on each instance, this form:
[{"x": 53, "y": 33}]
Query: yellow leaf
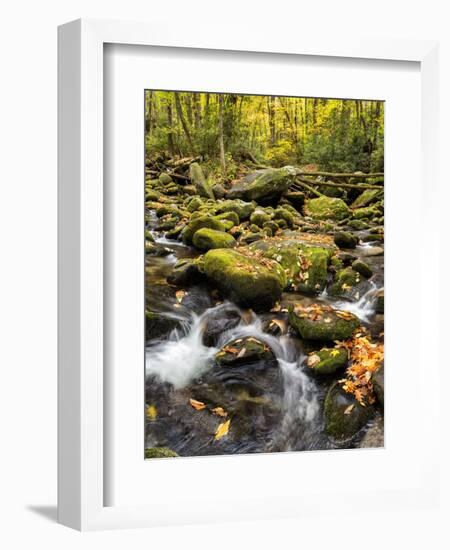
[
  {"x": 349, "y": 409},
  {"x": 334, "y": 353},
  {"x": 219, "y": 411},
  {"x": 151, "y": 412},
  {"x": 222, "y": 430},
  {"x": 180, "y": 295},
  {"x": 198, "y": 405}
]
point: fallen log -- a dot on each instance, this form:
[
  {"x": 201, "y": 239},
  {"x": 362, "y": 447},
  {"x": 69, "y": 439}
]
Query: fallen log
[
  {"x": 341, "y": 175},
  {"x": 340, "y": 185},
  {"x": 304, "y": 185}
]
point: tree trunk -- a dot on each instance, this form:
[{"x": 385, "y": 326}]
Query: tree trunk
[
  {"x": 184, "y": 123},
  {"x": 221, "y": 143}
]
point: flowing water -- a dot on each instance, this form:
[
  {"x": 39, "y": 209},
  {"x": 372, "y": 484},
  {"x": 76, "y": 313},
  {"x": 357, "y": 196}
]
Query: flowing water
[{"x": 179, "y": 366}]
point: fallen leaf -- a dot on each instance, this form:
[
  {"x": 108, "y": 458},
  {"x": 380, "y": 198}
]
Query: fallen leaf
[
  {"x": 334, "y": 353},
  {"x": 313, "y": 360},
  {"x": 222, "y": 430},
  {"x": 151, "y": 412},
  {"x": 241, "y": 353},
  {"x": 180, "y": 295},
  {"x": 219, "y": 411},
  {"x": 349, "y": 409},
  {"x": 198, "y": 405}
]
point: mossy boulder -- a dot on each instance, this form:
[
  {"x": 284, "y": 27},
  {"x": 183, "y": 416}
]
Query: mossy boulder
[
  {"x": 195, "y": 203},
  {"x": 305, "y": 265},
  {"x": 365, "y": 213},
  {"x": 266, "y": 184},
  {"x": 219, "y": 191},
  {"x": 244, "y": 351},
  {"x": 327, "y": 360},
  {"x": 259, "y": 217},
  {"x": 285, "y": 215},
  {"x": 359, "y": 225},
  {"x": 200, "y": 222},
  {"x": 230, "y": 216},
  {"x": 165, "y": 179},
  {"x": 323, "y": 323},
  {"x": 347, "y": 284},
  {"x": 327, "y": 208},
  {"x": 296, "y": 198},
  {"x": 362, "y": 268},
  {"x": 206, "y": 239},
  {"x": 378, "y": 385},
  {"x": 343, "y": 414},
  {"x": 160, "y": 452},
  {"x": 367, "y": 197},
  {"x": 247, "y": 281},
  {"x": 345, "y": 239},
  {"x": 202, "y": 185},
  {"x": 242, "y": 208}
]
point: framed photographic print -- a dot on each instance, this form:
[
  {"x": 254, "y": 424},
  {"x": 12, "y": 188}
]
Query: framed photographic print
[{"x": 230, "y": 214}]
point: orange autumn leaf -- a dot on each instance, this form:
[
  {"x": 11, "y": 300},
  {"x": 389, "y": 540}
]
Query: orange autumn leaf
[{"x": 198, "y": 405}]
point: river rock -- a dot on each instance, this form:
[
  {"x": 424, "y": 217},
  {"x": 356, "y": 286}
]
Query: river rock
[
  {"x": 218, "y": 322},
  {"x": 362, "y": 268},
  {"x": 200, "y": 222},
  {"x": 358, "y": 224},
  {"x": 219, "y": 191},
  {"x": 207, "y": 239},
  {"x": 344, "y": 416},
  {"x": 348, "y": 284},
  {"x": 304, "y": 263},
  {"x": 185, "y": 273},
  {"x": 158, "y": 325},
  {"x": 374, "y": 436},
  {"x": 296, "y": 198},
  {"x": 259, "y": 217},
  {"x": 345, "y": 239},
  {"x": 323, "y": 323},
  {"x": 379, "y": 301},
  {"x": 245, "y": 280},
  {"x": 367, "y": 212},
  {"x": 372, "y": 251},
  {"x": 160, "y": 452},
  {"x": 378, "y": 384},
  {"x": 245, "y": 351},
  {"x": 327, "y": 208},
  {"x": 198, "y": 179},
  {"x": 165, "y": 178},
  {"x": 327, "y": 360},
  {"x": 264, "y": 185},
  {"x": 242, "y": 208}
]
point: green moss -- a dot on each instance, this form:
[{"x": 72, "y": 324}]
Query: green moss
[
  {"x": 265, "y": 184},
  {"x": 362, "y": 268},
  {"x": 206, "y": 239},
  {"x": 200, "y": 222},
  {"x": 165, "y": 179},
  {"x": 345, "y": 239},
  {"x": 231, "y": 216},
  {"x": 241, "y": 208},
  {"x": 345, "y": 280},
  {"x": 259, "y": 217},
  {"x": 194, "y": 204},
  {"x": 248, "y": 350},
  {"x": 284, "y": 214},
  {"x": 202, "y": 186},
  {"x": 325, "y": 328},
  {"x": 368, "y": 212},
  {"x": 331, "y": 360},
  {"x": 160, "y": 452},
  {"x": 367, "y": 197},
  {"x": 245, "y": 280},
  {"x": 327, "y": 208},
  {"x": 358, "y": 224}
]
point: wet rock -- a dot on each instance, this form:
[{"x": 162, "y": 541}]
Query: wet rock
[
  {"x": 198, "y": 179},
  {"x": 275, "y": 327},
  {"x": 159, "y": 452},
  {"x": 362, "y": 268},
  {"x": 185, "y": 273},
  {"x": 374, "y": 436},
  {"x": 207, "y": 239},
  {"x": 378, "y": 385},
  {"x": 344, "y": 416},
  {"x": 327, "y": 360},
  {"x": 159, "y": 325},
  {"x": 245, "y": 351},
  {"x": 373, "y": 238},
  {"x": 153, "y": 249},
  {"x": 323, "y": 323},
  {"x": 250, "y": 237},
  {"x": 219, "y": 322},
  {"x": 367, "y": 197},
  {"x": 245, "y": 280},
  {"x": 345, "y": 239},
  {"x": 327, "y": 208},
  {"x": 347, "y": 258},
  {"x": 372, "y": 251},
  {"x": 348, "y": 284},
  {"x": 199, "y": 223},
  {"x": 379, "y": 301},
  {"x": 264, "y": 184}
]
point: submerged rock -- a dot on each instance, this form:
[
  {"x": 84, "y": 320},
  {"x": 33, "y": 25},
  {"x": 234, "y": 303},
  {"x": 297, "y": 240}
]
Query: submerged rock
[
  {"x": 323, "y": 323},
  {"x": 265, "y": 184},
  {"x": 344, "y": 416},
  {"x": 327, "y": 208},
  {"x": 248, "y": 281},
  {"x": 207, "y": 239},
  {"x": 327, "y": 360}
]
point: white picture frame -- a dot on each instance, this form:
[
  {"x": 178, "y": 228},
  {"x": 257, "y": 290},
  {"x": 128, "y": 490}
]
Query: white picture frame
[{"x": 81, "y": 480}]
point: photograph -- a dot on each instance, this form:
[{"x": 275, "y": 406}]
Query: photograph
[{"x": 264, "y": 273}]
